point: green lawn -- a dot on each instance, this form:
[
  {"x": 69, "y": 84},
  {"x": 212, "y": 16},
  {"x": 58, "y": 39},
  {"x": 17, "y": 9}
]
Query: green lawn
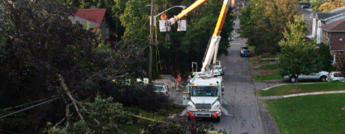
[
  {"x": 269, "y": 66},
  {"x": 303, "y": 88},
  {"x": 270, "y": 77},
  {"x": 265, "y": 68},
  {"x": 323, "y": 114}
]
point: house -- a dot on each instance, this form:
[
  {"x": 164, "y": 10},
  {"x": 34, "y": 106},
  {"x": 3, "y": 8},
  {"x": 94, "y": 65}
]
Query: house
[
  {"x": 334, "y": 36},
  {"x": 321, "y": 19},
  {"x": 92, "y": 19}
]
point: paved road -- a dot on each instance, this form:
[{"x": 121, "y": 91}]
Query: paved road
[
  {"x": 245, "y": 111},
  {"x": 240, "y": 99}
]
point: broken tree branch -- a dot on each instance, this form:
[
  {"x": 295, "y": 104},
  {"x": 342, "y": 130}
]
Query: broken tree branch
[{"x": 68, "y": 93}]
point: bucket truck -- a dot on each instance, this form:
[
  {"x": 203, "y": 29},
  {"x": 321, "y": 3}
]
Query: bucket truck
[{"x": 205, "y": 89}]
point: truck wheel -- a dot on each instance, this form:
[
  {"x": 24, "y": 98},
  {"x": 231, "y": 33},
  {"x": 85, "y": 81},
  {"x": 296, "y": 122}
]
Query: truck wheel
[
  {"x": 216, "y": 120},
  {"x": 189, "y": 119}
]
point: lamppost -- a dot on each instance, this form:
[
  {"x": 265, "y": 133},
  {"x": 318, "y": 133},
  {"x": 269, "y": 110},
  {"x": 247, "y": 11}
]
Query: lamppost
[
  {"x": 151, "y": 41},
  {"x": 155, "y": 17},
  {"x": 153, "y": 26}
]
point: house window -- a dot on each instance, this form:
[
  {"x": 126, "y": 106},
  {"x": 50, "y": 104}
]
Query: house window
[{"x": 338, "y": 75}]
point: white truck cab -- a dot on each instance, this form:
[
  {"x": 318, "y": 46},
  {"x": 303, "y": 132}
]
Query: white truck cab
[{"x": 205, "y": 98}]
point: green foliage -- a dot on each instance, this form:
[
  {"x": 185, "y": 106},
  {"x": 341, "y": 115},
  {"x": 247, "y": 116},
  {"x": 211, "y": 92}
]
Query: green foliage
[
  {"x": 135, "y": 20},
  {"x": 191, "y": 45},
  {"x": 325, "y": 57},
  {"x": 340, "y": 62},
  {"x": 299, "y": 59},
  {"x": 140, "y": 96},
  {"x": 295, "y": 33},
  {"x": 42, "y": 43},
  {"x": 330, "y": 5},
  {"x": 272, "y": 77},
  {"x": 263, "y": 23},
  {"x": 101, "y": 117},
  {"x": 297, "y": 56},
  {"x": 37, "y": 50}
]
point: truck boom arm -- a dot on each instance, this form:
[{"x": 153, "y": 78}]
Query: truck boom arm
[
  {"x": 186, "y": 11},
  {"x": 212, "y": 49}
]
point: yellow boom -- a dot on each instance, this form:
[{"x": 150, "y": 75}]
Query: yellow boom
[
  {"x": 221, "y": 18},
  {"x": 186, "y": 11}
]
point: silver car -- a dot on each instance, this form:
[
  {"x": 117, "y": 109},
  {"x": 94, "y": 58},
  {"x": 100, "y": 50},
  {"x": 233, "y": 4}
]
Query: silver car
[
  {"x": 336, "y": 76},
  {"x": 320, "y": 76},
  {"x": 161, "y": 88}
]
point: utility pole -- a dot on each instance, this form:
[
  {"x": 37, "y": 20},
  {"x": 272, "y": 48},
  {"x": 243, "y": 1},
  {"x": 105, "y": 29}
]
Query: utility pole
[{"x": 151, "y": 40}]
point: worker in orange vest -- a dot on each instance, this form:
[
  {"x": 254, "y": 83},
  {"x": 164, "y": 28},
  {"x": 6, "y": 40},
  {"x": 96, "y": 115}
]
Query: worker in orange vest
[{"x": 179, "y": 80}]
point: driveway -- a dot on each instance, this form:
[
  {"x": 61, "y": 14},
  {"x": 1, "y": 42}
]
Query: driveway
[{"x": 246, "y": 113}]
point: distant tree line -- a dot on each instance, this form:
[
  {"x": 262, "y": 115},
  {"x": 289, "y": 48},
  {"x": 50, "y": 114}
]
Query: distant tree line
[{"x": 263, "y": 23}]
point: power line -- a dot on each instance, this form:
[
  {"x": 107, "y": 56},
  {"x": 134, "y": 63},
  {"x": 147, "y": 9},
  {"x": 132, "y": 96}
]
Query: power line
[
  {"x": 9, "y": 132},
  {"x": 25, "y": 104},
  {"x": 30, "y": 107}
]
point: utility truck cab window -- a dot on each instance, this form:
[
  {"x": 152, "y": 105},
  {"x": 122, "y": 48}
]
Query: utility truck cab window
[{"x": 205, "y": 91}]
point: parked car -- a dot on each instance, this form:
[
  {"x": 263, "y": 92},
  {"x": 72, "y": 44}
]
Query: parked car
[
  {"x": 161, "y": 88},
  {"x": 305, "y": 5},
  {"x": 320, "y": 76},
  {"x": 336, "y": 76},
  {"x": 245, "y": 52}
]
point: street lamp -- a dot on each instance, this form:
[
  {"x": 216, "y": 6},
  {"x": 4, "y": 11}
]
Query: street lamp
[
  {"x": 155, "y": 17},
  {"x": 163, "y": 26}
]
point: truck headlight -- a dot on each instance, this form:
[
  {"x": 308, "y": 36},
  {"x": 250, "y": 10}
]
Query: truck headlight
[
  {"x": 191, "y": 106},
  {"x": 216, "y": 106}
]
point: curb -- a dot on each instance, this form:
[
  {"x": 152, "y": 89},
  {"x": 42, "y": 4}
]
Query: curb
[{"x": 268, "y": 88}]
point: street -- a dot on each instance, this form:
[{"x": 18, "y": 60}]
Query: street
[{"x": 240, "y": 95}]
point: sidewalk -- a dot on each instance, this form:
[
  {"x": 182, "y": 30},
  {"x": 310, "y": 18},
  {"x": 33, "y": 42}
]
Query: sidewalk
[{"x": 301, "y": 94}]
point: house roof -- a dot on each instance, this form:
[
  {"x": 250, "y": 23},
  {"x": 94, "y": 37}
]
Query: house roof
[
  {"x": 337, "y": 26},
  {"x": 336, "y": 12},
  {"x": 94, "y": 15}
]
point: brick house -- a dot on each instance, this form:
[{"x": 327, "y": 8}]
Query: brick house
[
  {"x": 92, "y": 19},
  {"x": 334, "y": 36},
  {"x": 321, "y": 19}
]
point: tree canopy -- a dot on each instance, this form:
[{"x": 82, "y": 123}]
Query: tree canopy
[
  {"x": 297, "y": 55},
  {"x": 263, "y": 22},
  {"x": 331, "y": 5}
]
